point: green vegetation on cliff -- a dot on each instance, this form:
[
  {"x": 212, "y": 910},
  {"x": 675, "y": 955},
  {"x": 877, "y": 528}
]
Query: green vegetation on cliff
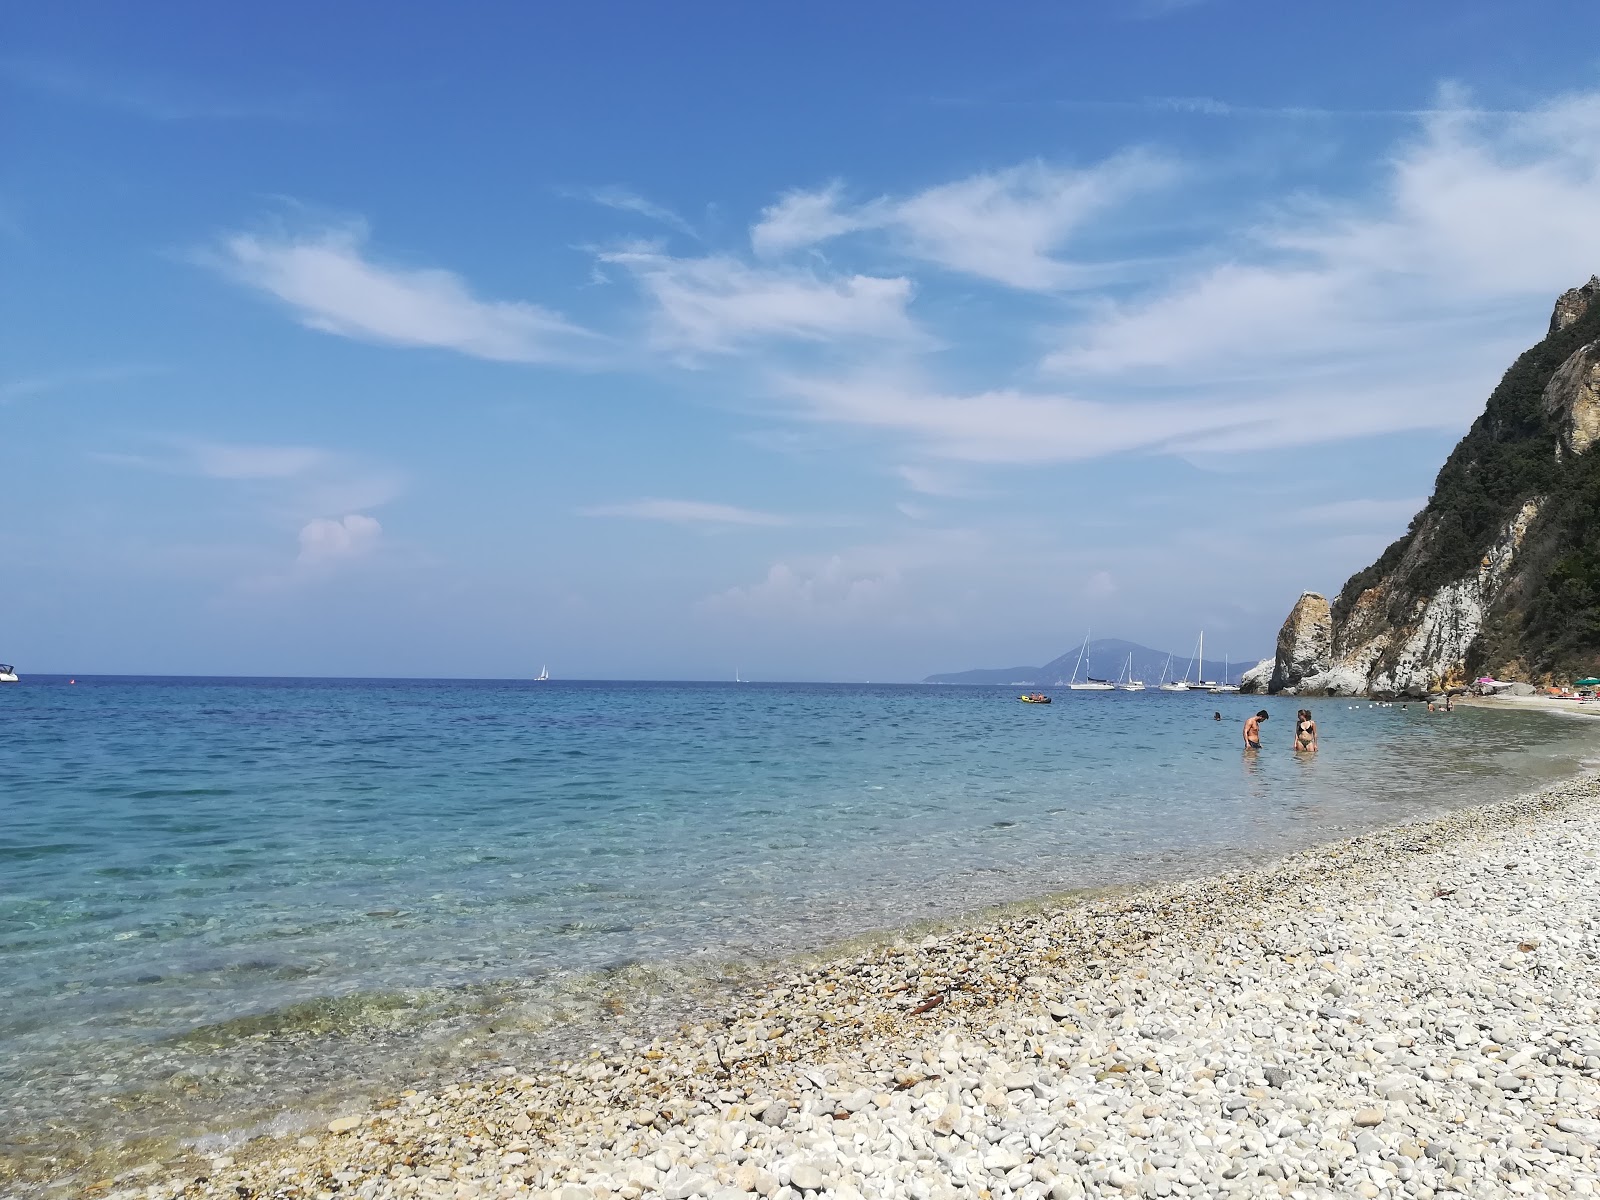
[{"x": 1547, "y": 621}]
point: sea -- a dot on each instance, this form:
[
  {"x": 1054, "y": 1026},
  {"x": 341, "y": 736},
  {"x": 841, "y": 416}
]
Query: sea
[{"x": 234, "y": 905}]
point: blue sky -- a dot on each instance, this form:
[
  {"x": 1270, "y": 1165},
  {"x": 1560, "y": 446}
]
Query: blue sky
[{"x": 824, "y": 341}]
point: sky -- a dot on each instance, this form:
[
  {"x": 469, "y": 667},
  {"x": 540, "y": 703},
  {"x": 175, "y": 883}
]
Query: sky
[{"x": 823, "y": 341}]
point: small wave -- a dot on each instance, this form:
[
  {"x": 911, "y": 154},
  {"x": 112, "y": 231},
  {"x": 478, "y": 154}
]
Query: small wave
[
  {"x": 178, "y": 793},
  {"x": 41, "y": 850}
]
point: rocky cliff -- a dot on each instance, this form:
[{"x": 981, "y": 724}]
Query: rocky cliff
[{"x": 1500, "y": 572}]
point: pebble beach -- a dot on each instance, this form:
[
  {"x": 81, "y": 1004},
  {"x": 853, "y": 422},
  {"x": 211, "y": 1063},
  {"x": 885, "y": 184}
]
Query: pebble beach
[{"x": 1413, "y": 1012}]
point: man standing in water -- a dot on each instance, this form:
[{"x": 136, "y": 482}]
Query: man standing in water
[{"x": 1252, "y": 730}]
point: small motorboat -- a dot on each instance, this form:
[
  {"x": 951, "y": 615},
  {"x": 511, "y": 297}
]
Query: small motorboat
[
  {"x": 1034, "y": 698},
  {"x": 8, "y": 673}
]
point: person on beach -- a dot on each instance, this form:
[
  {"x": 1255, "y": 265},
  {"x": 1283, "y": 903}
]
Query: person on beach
[
  {"x": 1305, "y": 733},
  {"x": 1252, "y": 730}
]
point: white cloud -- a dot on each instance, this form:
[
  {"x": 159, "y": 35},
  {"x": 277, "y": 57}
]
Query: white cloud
[
  {"x": 1010, "y": 425},
  {"x": 625, "y": 201},
  {"x": 327, "y": 540},
  {"x": 1007, "y": 226},
  {"x": 1099, "y": 585},
  {"x": 833, "y": 590},
  {"x": 1482, "y": 214},
  {"x": 932, "y": 481},
  {"x": 327, "y": 280},
  {"x": 718, "y": 304},
  {"x": 1329, "y": 321},
  {"x": 221, "y": 460},
  {"x": 685, "y": 512},
  {"x": 864, "y": 583},
  {"x": 801, "y": 218},
  {"x": 294, "y": 481}
]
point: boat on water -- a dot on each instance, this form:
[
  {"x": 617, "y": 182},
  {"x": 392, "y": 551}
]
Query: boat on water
[
  {"x": 1128, "y": 683},
  {"x": 1170, "y": 685},
  {"x": 1089, "y": 683},
  {"x": 1225, "y": 686},
  {"x": 8, "y": 673},
  {"x": 1198, "y": 666},
  {"x": 1034, "y": 698},
  {"x": 543, "y": 676}
]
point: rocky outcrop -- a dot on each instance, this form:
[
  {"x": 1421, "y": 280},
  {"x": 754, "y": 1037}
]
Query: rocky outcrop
[
  {"x": 1500, "y": 572},
  {"x": 1573, "y": 305},
  {"x": 1258, "y": 679},
  {"x": 1572, "y": 400},
  {"x": 1305, "y": 643},
  {"x": 1429, "y": 652}
]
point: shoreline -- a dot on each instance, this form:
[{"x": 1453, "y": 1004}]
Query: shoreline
[
  {"x": 862, "y": 1038},
  {"x": 282, "y": 1068},
  {"x": 1566, "y": 708}
]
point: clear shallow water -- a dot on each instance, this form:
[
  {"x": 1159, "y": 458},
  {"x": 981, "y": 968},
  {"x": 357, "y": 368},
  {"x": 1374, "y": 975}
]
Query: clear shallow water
[{"x": 176, "y": 854}]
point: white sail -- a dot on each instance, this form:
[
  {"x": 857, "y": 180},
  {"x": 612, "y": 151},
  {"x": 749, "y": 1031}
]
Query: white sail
[
  {"x": 1170, "y": 685},
  {"x": 1128, "y": 683},
  {"x": 1088, "y": 685}
]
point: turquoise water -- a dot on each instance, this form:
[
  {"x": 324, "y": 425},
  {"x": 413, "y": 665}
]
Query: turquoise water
[{"x": 180, "y": 853}]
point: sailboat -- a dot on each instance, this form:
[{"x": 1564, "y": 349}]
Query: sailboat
[
  {"x": 1225, "y": 686},
  {"x": 1090, "y": 684},
  {"x": 1171, "y": 685},
  {"x": 1201, "y": 683},
  {"x": 1128, "y": 683},
  {"x": 543, "y": 676},
  {"x": 736, "y": 678}
]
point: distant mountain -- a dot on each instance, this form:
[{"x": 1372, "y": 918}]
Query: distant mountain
[{"x": 1106, "y": 659}]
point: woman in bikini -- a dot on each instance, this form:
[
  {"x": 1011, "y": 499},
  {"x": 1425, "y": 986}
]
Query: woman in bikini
[{"x": 1305, "y": 733}]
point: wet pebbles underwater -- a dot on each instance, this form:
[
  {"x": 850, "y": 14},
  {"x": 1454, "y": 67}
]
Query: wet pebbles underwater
[{"x": 1409, "y": 1013}]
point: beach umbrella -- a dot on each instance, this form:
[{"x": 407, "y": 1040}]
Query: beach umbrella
[{"x": 1590, "y": 682}]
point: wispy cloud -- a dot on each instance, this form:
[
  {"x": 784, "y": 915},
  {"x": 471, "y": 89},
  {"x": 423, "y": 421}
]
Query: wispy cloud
[
  {"x": 327, "y": 280},
  {"x": 1326, "y": 320},
  {"x": 1375, "y": 290},
  {"x": 220, "y": 460},
  {"x": 932, "y": 481},
  {"x": 149, "y": 99},
  {"x": 686, "y": 512},
  {"x": 325, "y": 541},
  {"x": 53, "y": 382},
  {"x": 1005, "y": 226},
  {"x": 719, "y": 304},
  {"x": 1014, "y": 426},
  {"x": 623, "y": 200},
  {"x": 1213, "y": 106},
  {"x": 298, "y": 481},
  {"x": 857, "y": 584}
]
